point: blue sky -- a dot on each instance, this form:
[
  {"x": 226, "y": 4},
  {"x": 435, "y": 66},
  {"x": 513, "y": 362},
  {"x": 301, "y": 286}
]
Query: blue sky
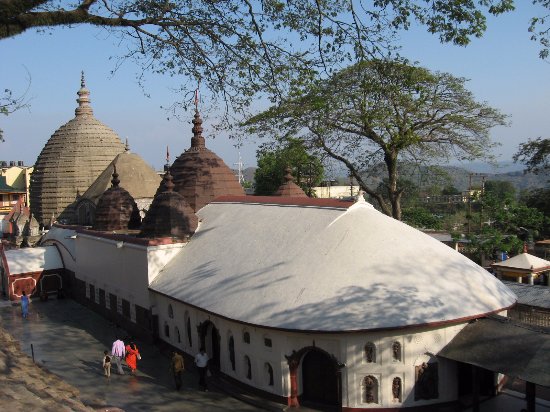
[{"x": 503, "y": 68}]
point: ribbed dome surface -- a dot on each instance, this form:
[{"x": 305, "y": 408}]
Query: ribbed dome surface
[
  {"x": 169, "y": 215},
  {"x": 289, "y": 188},
  {"x": 200, "y": 175},
  {"x": 70, "y": 161},
  {"x": 116, "y": 209}
]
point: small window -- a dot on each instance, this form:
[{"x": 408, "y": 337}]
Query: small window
[
  {"x": 170, "y": 311},
  {"x": 269, "y": 374},
  {"x": 268, "y": 342},
  {"x": 177, "y": 333},
  {"x": 248, "y": 367},
  {"x": 396, "y": 389},
  {"x": 396, "y": 351},
  {"x": 246, "y": 337},
  {"x": 370, "y": 384},
  {"x": 231, "y": 347},
  {"x": 166, "y": 330},
  {"x": 370, "y": 352}
]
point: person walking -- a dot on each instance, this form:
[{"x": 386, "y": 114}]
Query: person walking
[
  {"x": 132, "y": 355},
  {"x": 118, "y": 352},
  {"x": 24, "y": 305},
  {"x": 201, "y": 361},
  {"x": 177, "y": 368},
  {"x": 106, "y": 364}
]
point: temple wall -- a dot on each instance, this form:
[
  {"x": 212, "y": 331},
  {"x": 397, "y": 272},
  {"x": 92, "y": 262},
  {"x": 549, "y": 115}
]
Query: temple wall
[{"x": 418, "y": 347}]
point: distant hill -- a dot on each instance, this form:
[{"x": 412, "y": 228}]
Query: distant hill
[{"x": 456, "y": 176}]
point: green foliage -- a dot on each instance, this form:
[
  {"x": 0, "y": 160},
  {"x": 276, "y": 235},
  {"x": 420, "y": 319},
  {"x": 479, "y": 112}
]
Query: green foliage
[
  {"x": 501, "y": 190},
  {"x": 240, "y": 48},
  {"x": 535, "y": 154},
  {"x": 540, "y": 29},
  {"x": 421, "y": 218},
  {"x": 306, "y": 168},
  {"x": 388, "y": 112},
  {"x": 506, "y": 224},
  {"x": 450, "y": 190}
]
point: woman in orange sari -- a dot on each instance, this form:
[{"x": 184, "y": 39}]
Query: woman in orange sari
[{"x": 132, "y": 355}]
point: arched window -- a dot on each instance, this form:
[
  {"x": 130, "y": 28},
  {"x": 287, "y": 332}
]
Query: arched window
[
  {"x": 247, "y": 367},
  {"x": 246, "y": 337},
  {"x": 177, "y": 333},
  {"x": 396, "y": 389},
  {"x": 170, "y": 311},
  {"x": 166, "y": 330},
  {"x": 231, "y": 347},
  {"x": 370, "y": 352},
  {"x": 396, "y": 351},
  {"x": 370, "y": 384},
  {"x": 188, "y": 325},
  {"x": 269, "y": 374},
  {"x": 268, "y": 342}
]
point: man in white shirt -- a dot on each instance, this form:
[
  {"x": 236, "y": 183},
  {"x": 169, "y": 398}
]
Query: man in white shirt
[
  {"x": 118, "y": 351},
  {"x": 201, "y": 361}
]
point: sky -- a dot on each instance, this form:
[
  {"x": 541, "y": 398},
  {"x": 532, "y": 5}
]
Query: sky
[{"x": 503, "y": 68}]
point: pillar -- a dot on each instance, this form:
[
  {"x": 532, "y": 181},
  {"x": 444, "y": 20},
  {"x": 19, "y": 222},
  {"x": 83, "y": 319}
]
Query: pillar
[
  {"x": 520, "y": 279},
  {"x": 530, "y": 278},
  {"x": 530, "y": 394},
  {"x": 293, "y": 400}
]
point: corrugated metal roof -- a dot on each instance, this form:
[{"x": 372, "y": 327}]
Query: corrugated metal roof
[
  {"x": 532, "y": 295},
  {"x": 501, "y": 345}
]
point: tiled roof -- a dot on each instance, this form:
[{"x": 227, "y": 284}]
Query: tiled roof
[{"x": 532, "y": 295}]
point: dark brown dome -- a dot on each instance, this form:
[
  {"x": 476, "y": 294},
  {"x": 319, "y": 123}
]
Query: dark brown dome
[
  {"x": 200, "y": 175},
  {"x": 289, "y": 188},
  {"x": 70, "y": 161},
  {"x": 116, "y": 209},
  {"x": 169, "y": 215}
]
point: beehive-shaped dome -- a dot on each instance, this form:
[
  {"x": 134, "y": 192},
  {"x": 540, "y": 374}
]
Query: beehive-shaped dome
[
  {"x": 289, "y": 188},
  {"x": 200, "y": 175},
  {"x": 116, "y": 209},
  {"x": 70, "y": 161},
  {"x": 169, "y": 215}
]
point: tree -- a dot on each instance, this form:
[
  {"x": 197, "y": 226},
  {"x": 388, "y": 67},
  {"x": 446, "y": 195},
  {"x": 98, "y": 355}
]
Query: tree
[
  {"x": 239, "y": 48},
  {"x": 384, "y": 111},
  {"x": 540, "y": 29},
  {"x": 535, "y": 154},
  {"x": 421, "y": 217},
  {"x": 500, "y": 189},
  {"x": 306, "y": 168}
]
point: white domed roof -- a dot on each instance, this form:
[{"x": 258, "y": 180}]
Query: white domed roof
[{"x": 330, "y": 269}]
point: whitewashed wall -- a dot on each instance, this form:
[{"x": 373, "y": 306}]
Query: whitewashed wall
[{"x": 418, "y": 346}]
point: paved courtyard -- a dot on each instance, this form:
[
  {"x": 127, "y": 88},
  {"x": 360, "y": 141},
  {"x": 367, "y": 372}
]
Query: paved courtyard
[{"x": 69, "y": 340}]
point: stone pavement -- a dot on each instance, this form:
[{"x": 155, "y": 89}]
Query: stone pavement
[{"x": 69, "y": 339}]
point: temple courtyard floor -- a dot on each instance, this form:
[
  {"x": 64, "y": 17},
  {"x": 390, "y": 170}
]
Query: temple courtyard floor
[{"x": 68, "y": 340}]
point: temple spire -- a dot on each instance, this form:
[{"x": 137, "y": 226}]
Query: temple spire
[
  {"x": 197, "y": 141},
  {"x": 115, "y": 181},
  {"x": 83, "y": 100}
]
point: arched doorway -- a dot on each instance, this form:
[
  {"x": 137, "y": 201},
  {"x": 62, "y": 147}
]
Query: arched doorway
[
  {"x": 210, "y": 340},
  {"x": 320, "y": 379}
]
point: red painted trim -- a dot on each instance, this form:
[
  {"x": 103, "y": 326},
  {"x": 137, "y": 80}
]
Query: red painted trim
[
  {"x": 417, "y": 326},
  {"x": 291, "y": 201}
]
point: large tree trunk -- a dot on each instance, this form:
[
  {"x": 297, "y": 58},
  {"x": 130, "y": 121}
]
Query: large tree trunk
[{"x": 390, "y": 158}]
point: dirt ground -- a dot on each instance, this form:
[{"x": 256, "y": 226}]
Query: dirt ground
[{"x": 25, "y": 386}]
